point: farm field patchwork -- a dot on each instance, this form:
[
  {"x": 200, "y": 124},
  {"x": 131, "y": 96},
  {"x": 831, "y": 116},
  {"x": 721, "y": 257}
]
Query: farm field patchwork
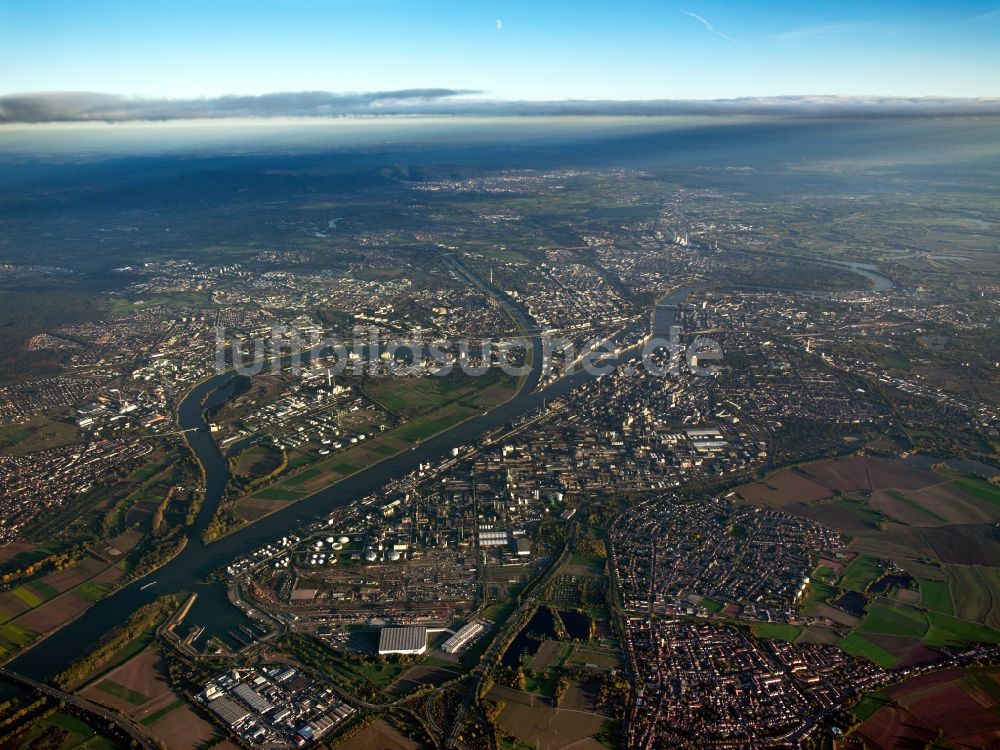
[
  {"x": 937, "y": 526},
  {"x": 138, "y": 688},
  {"x": 951, "y": 708}
]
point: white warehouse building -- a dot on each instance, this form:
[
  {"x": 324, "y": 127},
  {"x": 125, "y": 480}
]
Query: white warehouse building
[
  {"x": 468, "y": 633},
  {"x": 402, "y": 641}
]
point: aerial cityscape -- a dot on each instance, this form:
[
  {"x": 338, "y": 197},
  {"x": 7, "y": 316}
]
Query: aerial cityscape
[{"x": 557, "y": 408}]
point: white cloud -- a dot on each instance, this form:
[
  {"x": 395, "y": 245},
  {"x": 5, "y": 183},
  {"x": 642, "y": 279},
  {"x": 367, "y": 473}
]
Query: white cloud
[
  {"x": 89, "y": 107},
  {"x": 708, "y": 26}
]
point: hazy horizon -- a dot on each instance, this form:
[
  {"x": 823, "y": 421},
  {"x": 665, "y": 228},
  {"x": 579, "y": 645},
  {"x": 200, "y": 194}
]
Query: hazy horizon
[{"x": 84, "y": 107}]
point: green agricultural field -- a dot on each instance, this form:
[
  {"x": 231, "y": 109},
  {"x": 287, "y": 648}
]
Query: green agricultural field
[
  {"x": 299, "y": 460},
  {"x": 423, "y": 427},
  {"x": 303, "y": 476},
  {"x": 43, "y": 589},
  {"x": 28, "y": 597},
  {"x": 817, "y": 593},
  {"x": 494, "y": 395},
  {"x": 413, "y": 397},
  {"x": 416, "y": 397},
  {"x": 823, "y": 572},
  {"x": 148, "y": 471},
  {"x": 979, "y": 488},
  {"x": 778, "y": 631},
  {"x": 346, "y": 467},
  {"x": 13, "y": 637},
  {"x": 893, "y": 618},
  {"x": 935, "y": 595},
  {"x": 869, "y": 704},
  {"x": 498, "y": 613},
  {"x": 991, "y": 580},
  {"x": 972, "y": 591},
  {"x": 857, "y": 645},
  {"x": 280, "y": 494},
  {"x": 950, "y": 631},
  {"x": 860, "y": 509},
  {"x": 862, "y": 572},
  {"x": 93, "y": 590}
]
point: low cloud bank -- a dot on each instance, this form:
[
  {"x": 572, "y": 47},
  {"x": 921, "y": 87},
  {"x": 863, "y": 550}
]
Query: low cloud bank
[{"x": 79, "y": 106}]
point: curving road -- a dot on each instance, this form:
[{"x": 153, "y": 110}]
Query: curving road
[{"x": 130, "y": 728}]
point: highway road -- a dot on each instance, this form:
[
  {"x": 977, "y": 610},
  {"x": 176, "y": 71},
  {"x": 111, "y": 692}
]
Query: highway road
[{"x": 130, "y": 728}]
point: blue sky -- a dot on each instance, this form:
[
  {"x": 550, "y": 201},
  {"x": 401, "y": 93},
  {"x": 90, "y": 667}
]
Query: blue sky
[{"x": 508, "y": 50}]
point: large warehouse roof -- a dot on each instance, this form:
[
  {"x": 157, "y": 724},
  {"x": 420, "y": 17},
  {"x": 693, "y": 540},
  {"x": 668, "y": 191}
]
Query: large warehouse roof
[
  {"x": 402, "y": 640},
  {"x": 229, "y": 711}
]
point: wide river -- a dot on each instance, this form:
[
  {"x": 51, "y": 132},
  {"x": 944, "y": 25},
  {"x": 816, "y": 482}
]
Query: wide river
[{"x": 197, "y": 561}]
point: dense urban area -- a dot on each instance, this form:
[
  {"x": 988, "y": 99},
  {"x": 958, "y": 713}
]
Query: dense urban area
[{"x": 740, "y": 488}]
